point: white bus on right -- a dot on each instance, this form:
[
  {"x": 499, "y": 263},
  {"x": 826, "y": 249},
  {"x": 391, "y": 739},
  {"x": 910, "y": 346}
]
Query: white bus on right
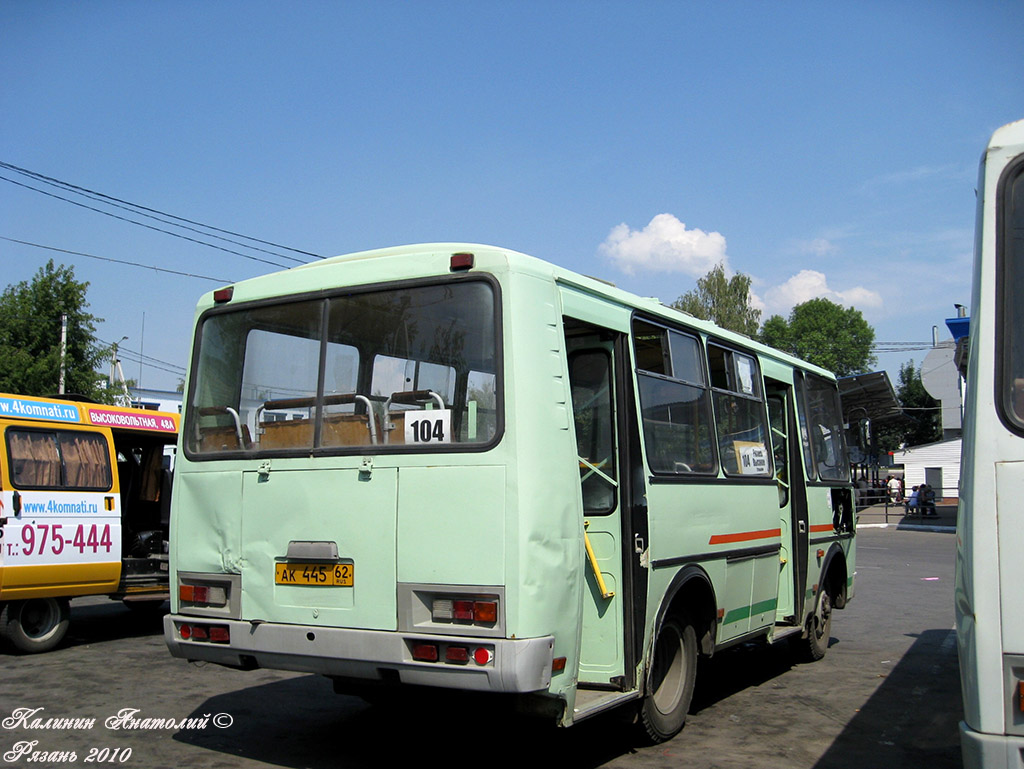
[{"x": 989, "y": 592}]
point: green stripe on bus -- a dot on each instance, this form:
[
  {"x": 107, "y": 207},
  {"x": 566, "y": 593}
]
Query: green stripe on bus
[{"x": 747, "y": 611}]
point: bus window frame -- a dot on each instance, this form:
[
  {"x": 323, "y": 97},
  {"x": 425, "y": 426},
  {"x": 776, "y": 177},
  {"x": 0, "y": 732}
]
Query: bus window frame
[
  {"x": 661, "y": 476},
  {"x": 812, "y": 471},
  {"x": 325, "y": 295},
  {"x": 613, "y": 424},
  {"x": 1006, "y": 259},
  {"x": 758, "y": 397},
  {"x": 55, "y": 431}
]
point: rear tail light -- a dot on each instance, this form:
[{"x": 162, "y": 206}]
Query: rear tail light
[
  {"x": 457, "y": 654},
  {"x": 452, "y": 654},
  {"x": 464, "y": 610},
  {"x": 203, "y": 595},
  {"x": 218, "y": 634},
  {"x": 425, "y": 652},
  {"x": 485, "y": 612}
]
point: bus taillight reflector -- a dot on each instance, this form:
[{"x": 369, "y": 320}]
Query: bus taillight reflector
[
  {"x": 482, "y": 655},
  {"x": 218, "y": 634},
  {"x": 456, "y": 654},
  {"x": 424, "y": 652}
]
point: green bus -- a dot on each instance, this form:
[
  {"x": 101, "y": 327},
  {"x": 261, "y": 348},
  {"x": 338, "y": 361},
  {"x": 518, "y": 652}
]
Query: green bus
[{"x": 458, "y": 466}]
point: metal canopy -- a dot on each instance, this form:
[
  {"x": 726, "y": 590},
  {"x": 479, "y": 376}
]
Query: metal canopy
[{"x": 868, "y": 396}]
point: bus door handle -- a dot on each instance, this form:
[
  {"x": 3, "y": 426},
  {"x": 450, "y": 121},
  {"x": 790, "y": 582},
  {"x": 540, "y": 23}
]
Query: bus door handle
[
  {"x": 801, "y": 526},
  {"x": 638, "y": 544}
]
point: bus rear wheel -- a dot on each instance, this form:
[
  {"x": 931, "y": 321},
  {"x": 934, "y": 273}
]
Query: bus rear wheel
[
  {"x": 672, "y": 678},
  {"x": 35, "y": 625}
]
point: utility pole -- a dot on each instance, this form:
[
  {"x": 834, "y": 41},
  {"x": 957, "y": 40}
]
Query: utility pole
[
  {"x": 116, "y": 370},
  {"x": 63, "y": 350}
]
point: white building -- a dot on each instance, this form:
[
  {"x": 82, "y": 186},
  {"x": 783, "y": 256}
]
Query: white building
[
  {"x": 161, "y": 400},
  {"x": 937, "y": 464}
]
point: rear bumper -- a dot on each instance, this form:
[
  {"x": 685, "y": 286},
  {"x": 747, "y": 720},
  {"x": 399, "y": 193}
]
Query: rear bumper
[
  {"x": 515, "y": 665},
  {"x": 990, "y": 751}
]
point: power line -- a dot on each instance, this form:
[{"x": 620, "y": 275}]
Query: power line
[
  {"x": 149, "y": 226},
  {"x": 155, "y": 214},
  {"x": 147, "y": 360},
  {"x": 115, "y": 261}
]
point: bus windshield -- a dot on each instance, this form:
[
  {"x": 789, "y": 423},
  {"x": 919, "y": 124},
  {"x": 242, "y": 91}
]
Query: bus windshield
[{"x": 395, "y": 367}]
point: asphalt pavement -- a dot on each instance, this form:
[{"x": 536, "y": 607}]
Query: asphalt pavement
[{"x": 885, "y": 695}]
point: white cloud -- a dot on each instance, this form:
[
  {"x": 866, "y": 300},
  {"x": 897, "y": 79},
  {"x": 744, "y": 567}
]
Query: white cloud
[
  {"x": 665, "y": 245},
  {"x": 818, "y": 247},
  {"x": 811, "y": 284}
]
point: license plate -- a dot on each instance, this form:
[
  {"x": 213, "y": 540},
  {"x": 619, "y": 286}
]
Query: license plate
[{"x": 316, "y": 574}]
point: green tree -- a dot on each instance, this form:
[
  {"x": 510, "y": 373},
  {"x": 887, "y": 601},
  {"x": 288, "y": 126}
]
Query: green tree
[
  {"x": 922, "y": 419},
  {"x": 725, "y": 301},
  {"x": 824, "y": 333},
  {"x": 30, "y": 330}
]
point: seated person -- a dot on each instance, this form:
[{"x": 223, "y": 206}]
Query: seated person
[
  {"x": 911, "y": 501},
  {"x": 926, "y": 499}
]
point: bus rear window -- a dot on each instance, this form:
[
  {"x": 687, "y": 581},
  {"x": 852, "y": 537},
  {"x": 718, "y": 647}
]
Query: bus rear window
[{"x": 393, "y": 368}]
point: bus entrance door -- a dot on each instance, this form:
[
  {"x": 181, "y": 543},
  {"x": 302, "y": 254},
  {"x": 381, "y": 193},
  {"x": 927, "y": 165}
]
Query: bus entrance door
[
  {"x": 792, "y": 502},
  {"x": 592, "y": 380}
]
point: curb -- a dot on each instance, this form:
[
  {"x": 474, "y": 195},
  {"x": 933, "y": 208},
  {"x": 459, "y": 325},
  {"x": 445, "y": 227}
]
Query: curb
[{"x": 908, "y": 527}]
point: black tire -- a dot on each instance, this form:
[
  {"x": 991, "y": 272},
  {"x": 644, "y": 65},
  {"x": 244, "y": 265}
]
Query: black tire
[
  {"x": 35, "y": 625},
  {"x": 819, "y": 628},
  {"x": 149, "y": 607},
  {"x": 672, "y": 677}
]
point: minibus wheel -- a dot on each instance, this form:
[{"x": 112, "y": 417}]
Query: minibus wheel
[
  {"x": 35, "y": 625},
  {"x": 672, "y": 676},
  {"x": 819, "y": 628}
]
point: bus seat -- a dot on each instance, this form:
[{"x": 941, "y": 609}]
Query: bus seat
[
  {"x": 222, "y": 438},
  {"x": 290, "y": 434}
]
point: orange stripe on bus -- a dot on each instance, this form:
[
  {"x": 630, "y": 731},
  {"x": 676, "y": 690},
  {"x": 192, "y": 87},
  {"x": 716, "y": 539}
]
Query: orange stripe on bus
[
  {"x": 823, "y": 527},
  {"x": 744, "y": 536}
]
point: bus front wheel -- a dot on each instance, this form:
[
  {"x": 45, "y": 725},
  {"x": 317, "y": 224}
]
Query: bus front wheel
[
  {"x": 35, "y": 625},
  {"x": 672, "y": 677}
]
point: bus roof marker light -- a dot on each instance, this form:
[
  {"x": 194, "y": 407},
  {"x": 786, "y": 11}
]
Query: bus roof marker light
[
  {"x": 222, "y": 295},
  {"x": 461, "y": 261}
]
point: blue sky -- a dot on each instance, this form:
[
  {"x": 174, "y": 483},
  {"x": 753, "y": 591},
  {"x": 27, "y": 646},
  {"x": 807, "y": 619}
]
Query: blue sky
[{"x": 825, "y": 149}]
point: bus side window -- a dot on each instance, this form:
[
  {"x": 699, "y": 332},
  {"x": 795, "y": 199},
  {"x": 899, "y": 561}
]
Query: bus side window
[
  {"x": 740, "y": 418},
  {"x": 675, "y": 401},
  {"x": 54, "y": 459}
]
